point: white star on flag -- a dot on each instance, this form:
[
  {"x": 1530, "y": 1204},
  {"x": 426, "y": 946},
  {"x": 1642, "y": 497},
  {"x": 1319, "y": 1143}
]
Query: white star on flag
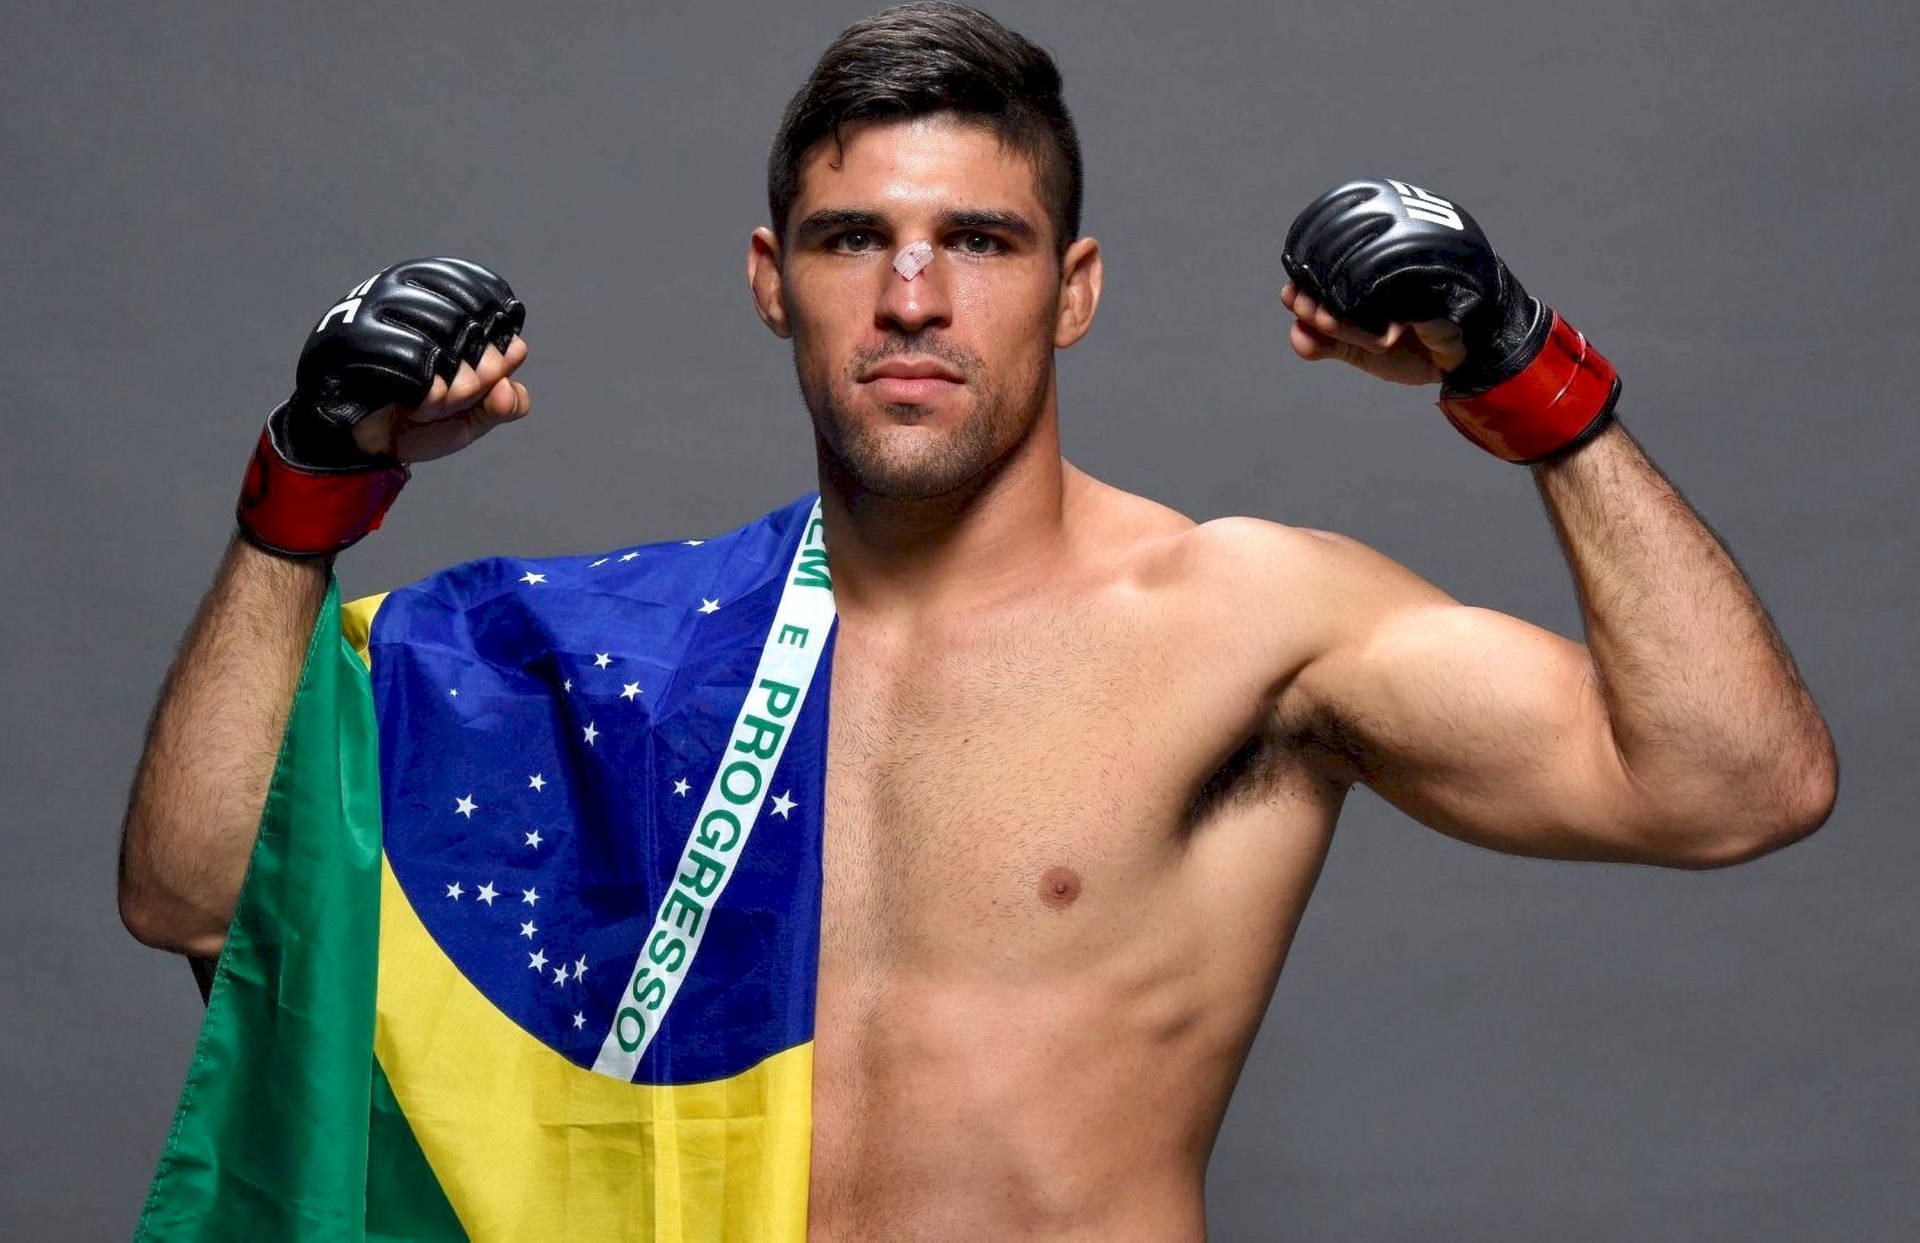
[
  {"x": 537, "y": 960},
  {"x": 579, "y": 1020},
  {"x": 453, "y": 691},
  {"x": 601, "y": 660},
  {"x": 782, "y": 804},
  {"x": 527, "y": 930},
  {"x": 560, "y": 976},
  {"x": 630, "y": 556},
  {"x": 454, "y": 891},
  {"x": 629, "y": 690},
  {"x": 531, "y": 577},
  {"x": 681, "y": 787},
  {"x": 601, "y": 561},
  {"x": 530, "y": 896},
  {"x": 487, "y": 893},
  {"x": 533, "y": 837},
  {"x": 709, "y": 606},
  {"x": 466, "y": 806},
  {"x": 590, "y": 733},
  {"x": 537, "y": 782},
  {"x": 580, "y": 966},
  {"x": 567, "y": 685},
  {"x": 693, "y": 543}
]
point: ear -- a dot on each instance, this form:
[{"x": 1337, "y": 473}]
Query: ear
[
  {"x": 1080, "y": 274},
  {"x": 763, "y": 279}
]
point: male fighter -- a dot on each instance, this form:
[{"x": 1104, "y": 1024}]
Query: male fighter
[{"x": 1085, "y": 755}]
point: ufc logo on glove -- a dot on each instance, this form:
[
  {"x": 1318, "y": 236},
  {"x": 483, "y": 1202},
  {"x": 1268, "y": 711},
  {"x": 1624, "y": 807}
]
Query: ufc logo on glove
[
  {"x": 346, "y": 308},
  {"x": 1424, "y": 206}
]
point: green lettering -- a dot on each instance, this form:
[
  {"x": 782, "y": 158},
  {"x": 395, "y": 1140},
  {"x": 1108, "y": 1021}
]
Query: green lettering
[
  {"x": 707, "y": 837},
  {"x": 706, "y": 876},
  {"x": 776, "y": 704},
  {"x": 811, "y": 569},
  {"x": 726, "y": 783},
  {"x": 666, "y": 946},
  {"x": 766, "y": 736},
  {"x": 677, "y": 904}
]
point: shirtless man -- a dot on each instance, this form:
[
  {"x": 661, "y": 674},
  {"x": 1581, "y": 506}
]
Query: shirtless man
[{"x": 1085, "y": 755}]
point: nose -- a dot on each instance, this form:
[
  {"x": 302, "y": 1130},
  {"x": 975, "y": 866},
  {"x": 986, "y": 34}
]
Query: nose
[{"x": 911, "y": 306}]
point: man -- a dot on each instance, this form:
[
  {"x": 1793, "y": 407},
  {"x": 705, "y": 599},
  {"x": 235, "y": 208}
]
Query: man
[{"x": 1086, "y": 756}]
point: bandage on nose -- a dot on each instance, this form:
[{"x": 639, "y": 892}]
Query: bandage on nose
[{"x": 911, "y": 259}]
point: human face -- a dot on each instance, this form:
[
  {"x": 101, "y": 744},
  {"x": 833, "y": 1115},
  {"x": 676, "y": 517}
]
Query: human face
[{"x": 986, "y": 313}]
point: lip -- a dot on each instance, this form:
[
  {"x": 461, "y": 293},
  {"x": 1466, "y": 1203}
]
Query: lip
[
  {"x": 910, "y": 390},
  {"x": 914, "y": 368}
]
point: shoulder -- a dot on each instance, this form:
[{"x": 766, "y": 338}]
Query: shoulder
[
  {"x": 1309, "y": 568},
  {"x": 1309, "y": 602},
  {"x": 1254, "y": 560},
  {"x": 1158, "y": 546},
  {"x": 656, "y": 568},
  {"x": 512, "y": 607}
]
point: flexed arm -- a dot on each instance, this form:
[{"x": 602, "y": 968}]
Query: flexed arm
[
  {"x": 414, "y": 364},
  {"x": 1681, "y": 733}
]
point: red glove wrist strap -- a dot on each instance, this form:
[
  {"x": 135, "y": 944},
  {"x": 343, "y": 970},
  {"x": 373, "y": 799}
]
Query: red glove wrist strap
[
  {"x": 297, "y": 511},
  {"x": 1564, "y": 395}
]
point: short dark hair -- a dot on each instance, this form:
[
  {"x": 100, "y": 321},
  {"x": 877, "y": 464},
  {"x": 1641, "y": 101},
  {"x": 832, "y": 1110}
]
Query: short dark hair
[{"x": 925, "y": 57}]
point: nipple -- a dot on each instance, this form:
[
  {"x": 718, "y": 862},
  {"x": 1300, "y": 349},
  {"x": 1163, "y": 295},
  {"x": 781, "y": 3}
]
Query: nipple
[
  {"x": 912, "y": 259},
  {"x": 1059, "y": 887}
]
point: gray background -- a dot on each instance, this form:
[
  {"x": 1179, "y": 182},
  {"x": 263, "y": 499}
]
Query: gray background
[{"x": 1465, "y": 1044}]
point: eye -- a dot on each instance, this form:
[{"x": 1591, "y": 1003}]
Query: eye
[
  {"x": 853, "y": 239},
  {"x": 991, "y": 243}
]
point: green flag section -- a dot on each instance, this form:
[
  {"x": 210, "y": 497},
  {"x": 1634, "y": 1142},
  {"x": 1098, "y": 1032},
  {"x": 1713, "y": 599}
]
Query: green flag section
[{"x": 282, "y": 1147}]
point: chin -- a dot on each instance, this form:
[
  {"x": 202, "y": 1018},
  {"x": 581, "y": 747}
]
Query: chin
[
  {"x": 912, "y": 462},
  {"x": 907, "y": 451},
  {"x": 956, "y": 405},
  {"x": 921, "y": 476}
]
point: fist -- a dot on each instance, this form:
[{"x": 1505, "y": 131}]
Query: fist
[
  {"x": 414, "y": 363},
  {"x": 1403, "y": 284},
  {"x": 1395, "y": 280},
  {"x": 1421, "y": 352}
]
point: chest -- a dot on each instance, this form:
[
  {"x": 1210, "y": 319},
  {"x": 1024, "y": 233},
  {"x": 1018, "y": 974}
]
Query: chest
[{"x": 1010, "y": 775}]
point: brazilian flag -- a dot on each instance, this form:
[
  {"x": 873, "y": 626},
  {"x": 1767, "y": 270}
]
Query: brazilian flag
[{"x": 527, "y": 945}]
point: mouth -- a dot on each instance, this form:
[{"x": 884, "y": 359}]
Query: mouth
[
  {"x": 910, "y": 390},
  {"x": 911, "y": 379}
]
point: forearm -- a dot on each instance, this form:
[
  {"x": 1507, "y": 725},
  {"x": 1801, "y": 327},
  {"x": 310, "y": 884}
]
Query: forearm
[
  {"x": 210, "y": 749},
  {"x": 1707, "y": 708}
]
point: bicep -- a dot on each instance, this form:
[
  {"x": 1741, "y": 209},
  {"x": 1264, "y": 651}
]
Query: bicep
[{"x": 1477, "y": 724}]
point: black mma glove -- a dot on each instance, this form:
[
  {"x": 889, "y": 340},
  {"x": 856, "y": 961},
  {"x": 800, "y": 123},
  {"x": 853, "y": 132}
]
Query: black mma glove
[
  {"x": 1378, "y": 251},
  {"x": 310, "y": 491}
]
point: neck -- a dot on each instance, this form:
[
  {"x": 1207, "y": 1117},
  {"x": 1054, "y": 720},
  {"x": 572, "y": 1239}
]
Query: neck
[{"x": 991, "y": 538}]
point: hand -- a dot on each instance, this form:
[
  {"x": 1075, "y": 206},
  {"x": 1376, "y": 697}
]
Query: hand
[
  {"x": 1407, "y": 353},
  {"x": 454, "y": 415},
  {"x": 1403, "y": 284},
  {"x": 414, "y": 363}
]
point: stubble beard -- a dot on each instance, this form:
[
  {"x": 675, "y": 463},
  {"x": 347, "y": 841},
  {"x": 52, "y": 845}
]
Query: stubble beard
[{"x": 905, "y": 461}]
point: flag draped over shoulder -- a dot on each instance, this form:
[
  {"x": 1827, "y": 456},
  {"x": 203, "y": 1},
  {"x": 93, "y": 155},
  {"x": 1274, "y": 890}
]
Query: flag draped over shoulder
[{"x": 527, "y": 944}]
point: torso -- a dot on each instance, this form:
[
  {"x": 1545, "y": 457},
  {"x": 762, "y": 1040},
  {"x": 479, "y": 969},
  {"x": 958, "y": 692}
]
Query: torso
[{"x": 1068, "y": 841}]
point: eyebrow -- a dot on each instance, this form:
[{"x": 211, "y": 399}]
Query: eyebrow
[{"x": 818, "y": 224}]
